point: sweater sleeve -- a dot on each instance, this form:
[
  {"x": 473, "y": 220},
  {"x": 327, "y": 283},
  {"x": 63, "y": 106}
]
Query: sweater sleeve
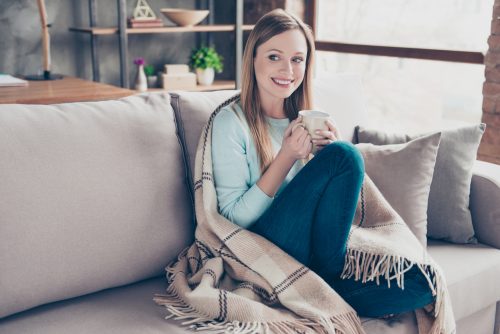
[{"x": 238, "y": 200}]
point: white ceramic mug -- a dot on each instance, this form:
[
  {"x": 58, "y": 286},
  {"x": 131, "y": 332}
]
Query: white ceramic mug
[{"x": 313, "y": 120}]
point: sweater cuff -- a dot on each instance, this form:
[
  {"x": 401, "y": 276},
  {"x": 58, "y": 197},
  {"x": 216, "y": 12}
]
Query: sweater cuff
[{"x": 260, "y": 200}]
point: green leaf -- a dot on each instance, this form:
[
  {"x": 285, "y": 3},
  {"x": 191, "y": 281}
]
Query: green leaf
[
  {"x": 149, "y": 70},
  {"x": 206, "y": 57}
]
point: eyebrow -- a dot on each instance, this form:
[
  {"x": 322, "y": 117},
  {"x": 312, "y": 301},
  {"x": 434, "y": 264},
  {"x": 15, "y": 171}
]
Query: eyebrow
[{"x": 277, "y": 50}]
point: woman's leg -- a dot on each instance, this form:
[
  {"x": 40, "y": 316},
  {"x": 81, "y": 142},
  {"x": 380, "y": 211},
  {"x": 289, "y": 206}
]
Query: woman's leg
[
  {"x": 372, "y": 300},
  {"x": 311, "y": 218}
]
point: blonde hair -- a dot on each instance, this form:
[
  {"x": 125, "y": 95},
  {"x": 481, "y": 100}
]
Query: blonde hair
[{"x": 270, "y": 25}]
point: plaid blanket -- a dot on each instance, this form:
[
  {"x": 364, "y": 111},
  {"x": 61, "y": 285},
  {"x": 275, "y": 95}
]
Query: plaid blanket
[{"x": 231, "y": 280}]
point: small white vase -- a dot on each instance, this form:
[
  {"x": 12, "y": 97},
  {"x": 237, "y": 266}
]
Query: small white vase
[
  {"x": 141, "y": 82},
  {"x": 205, "y": 76}
]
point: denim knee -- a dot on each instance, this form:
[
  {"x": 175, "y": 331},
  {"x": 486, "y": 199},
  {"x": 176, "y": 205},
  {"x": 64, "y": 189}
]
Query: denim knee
[{"x": 346, "y": 154}]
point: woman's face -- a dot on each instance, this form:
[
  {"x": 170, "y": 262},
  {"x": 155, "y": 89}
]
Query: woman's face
[{"x": 280, "y": 64}]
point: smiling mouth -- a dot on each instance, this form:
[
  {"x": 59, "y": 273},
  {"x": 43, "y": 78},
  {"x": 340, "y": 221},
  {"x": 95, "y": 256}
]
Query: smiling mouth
[{"x": 282, "y": 82}]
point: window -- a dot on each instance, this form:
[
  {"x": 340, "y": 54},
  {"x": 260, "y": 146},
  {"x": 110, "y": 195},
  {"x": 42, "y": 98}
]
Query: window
[{"x": 408, "y": 94}]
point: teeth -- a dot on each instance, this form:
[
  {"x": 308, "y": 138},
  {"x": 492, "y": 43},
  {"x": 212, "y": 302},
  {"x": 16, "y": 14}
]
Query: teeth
[{"x": 282, "y": 82}]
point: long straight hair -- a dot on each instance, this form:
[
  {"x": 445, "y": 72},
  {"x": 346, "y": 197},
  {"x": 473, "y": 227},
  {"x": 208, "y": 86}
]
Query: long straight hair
[{"x": 270, "y": 25}]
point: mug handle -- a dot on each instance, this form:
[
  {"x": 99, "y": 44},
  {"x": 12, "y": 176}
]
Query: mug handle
[{"x": 297, "y": 125}]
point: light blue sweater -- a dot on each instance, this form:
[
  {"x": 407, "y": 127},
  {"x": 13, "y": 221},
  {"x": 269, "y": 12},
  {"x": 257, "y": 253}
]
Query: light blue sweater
[{"x": 236, "y": 165}]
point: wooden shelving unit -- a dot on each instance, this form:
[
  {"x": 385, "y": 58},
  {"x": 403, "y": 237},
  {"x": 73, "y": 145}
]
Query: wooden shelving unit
[
  {"x": 95, "y": 30},
  {"x": 217, "y": 85},
  {"x": 123, "y": 31},
  {"x": 159, "y": 30}
]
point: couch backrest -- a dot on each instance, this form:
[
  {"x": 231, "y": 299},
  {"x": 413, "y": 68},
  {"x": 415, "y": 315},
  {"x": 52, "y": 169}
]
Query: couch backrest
[
  {"x": 192, "y": 110},
  {"x": 92, "y": 196},
  {"x": 340, "y": 95}
]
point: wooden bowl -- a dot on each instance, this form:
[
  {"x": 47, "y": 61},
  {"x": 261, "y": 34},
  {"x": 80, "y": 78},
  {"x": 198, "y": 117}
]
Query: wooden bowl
[{"x": 184, "y": 17}]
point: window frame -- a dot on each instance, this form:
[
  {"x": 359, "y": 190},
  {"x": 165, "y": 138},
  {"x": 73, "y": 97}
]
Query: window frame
[{"x": 469, "y": 57}]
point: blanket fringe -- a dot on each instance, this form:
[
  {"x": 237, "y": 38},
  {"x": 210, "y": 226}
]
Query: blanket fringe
[
  {"x": 171, "y": 268},
  {"x": 361, "y": 265},
  {"x": 194, "y": 320},
  {"x": 367, "y": 266}
]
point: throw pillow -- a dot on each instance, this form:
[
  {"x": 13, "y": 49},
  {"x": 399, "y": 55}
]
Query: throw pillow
[
  {"x": 92, "y": 197},
  {"x": 403, "y": 174},
  {"x": 449, "y": 215}
]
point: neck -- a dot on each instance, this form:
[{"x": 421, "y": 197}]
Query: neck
[{"x": 272, "y": 107}]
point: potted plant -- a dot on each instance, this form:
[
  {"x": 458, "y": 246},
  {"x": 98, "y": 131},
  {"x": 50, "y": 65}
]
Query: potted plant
[
  {"x": 149, "y": 70},
  {"x": 205, "y": 61}
]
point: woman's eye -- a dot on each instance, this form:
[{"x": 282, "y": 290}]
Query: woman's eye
[
  {"x": 273, "y": 57},
  {"x": 298, "y": 59}
]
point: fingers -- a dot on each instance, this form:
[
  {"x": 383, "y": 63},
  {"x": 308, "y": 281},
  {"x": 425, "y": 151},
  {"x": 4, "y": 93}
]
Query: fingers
[
  {"x": 291, "y": 127},
  {"x": 329, "y": 136},
  {"x": 305, "y": 146},
  {"x": 330, "y": 125},
  {"x": 298, "y": 132},
  {"x": 303, "y": 136},
  {"x": 304, "y": 139},
  {"x": 333, "y": 128},
  {"x": 308, "y": 149},
  {"x": 322, "y": 142},
  {"x": 326, "y": 134}
]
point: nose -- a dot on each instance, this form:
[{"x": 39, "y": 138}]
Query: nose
[{"x": 287, "y": 68}]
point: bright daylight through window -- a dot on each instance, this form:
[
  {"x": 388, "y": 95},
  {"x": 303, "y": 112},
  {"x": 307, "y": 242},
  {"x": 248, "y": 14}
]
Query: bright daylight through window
[{"x": 410, "y": 94}]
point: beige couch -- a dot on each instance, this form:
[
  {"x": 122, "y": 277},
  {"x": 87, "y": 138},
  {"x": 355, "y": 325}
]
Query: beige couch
[{"x": 95, "y": 200}]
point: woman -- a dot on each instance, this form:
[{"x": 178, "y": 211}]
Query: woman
[{"x": 263, "y": 186}]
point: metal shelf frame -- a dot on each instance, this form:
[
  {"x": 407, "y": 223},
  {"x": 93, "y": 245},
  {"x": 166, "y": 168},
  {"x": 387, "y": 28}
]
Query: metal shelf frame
[{"x": 123, "y": 33}]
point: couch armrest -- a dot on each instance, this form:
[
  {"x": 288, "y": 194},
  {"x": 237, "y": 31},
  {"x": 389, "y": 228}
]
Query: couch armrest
[{"x": 485, "y": 202}]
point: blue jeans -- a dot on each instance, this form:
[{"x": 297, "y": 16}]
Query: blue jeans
[{"x": 311, "y": 219}]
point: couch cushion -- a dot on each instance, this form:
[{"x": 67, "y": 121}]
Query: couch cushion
[
  {"x": 472, "y": 273},
  {"x": 481, "y": 322},
  {"x": 405, "y": 323},
  {"x": 92, "y": 197},
  {"x": 449, "y": 215},
  {"x": 192, "y": 110},
  {"x": 130, "y": 309},
  {"x": 403, "y": 173}
]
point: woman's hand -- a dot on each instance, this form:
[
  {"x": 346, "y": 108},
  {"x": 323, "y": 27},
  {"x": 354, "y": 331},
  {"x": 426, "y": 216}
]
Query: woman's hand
[
  {"x": 329, "y": 136},
  {"x": 297, "y": 143}
]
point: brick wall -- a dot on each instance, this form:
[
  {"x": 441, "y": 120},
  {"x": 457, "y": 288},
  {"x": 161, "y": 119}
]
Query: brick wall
[{"x": 490, "y": 145}]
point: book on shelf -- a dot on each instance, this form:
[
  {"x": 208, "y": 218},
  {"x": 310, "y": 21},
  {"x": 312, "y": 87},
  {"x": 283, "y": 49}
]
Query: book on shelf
[
  {"x": 145, "y": 23},
  {"x": 7, "y": 80}
]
